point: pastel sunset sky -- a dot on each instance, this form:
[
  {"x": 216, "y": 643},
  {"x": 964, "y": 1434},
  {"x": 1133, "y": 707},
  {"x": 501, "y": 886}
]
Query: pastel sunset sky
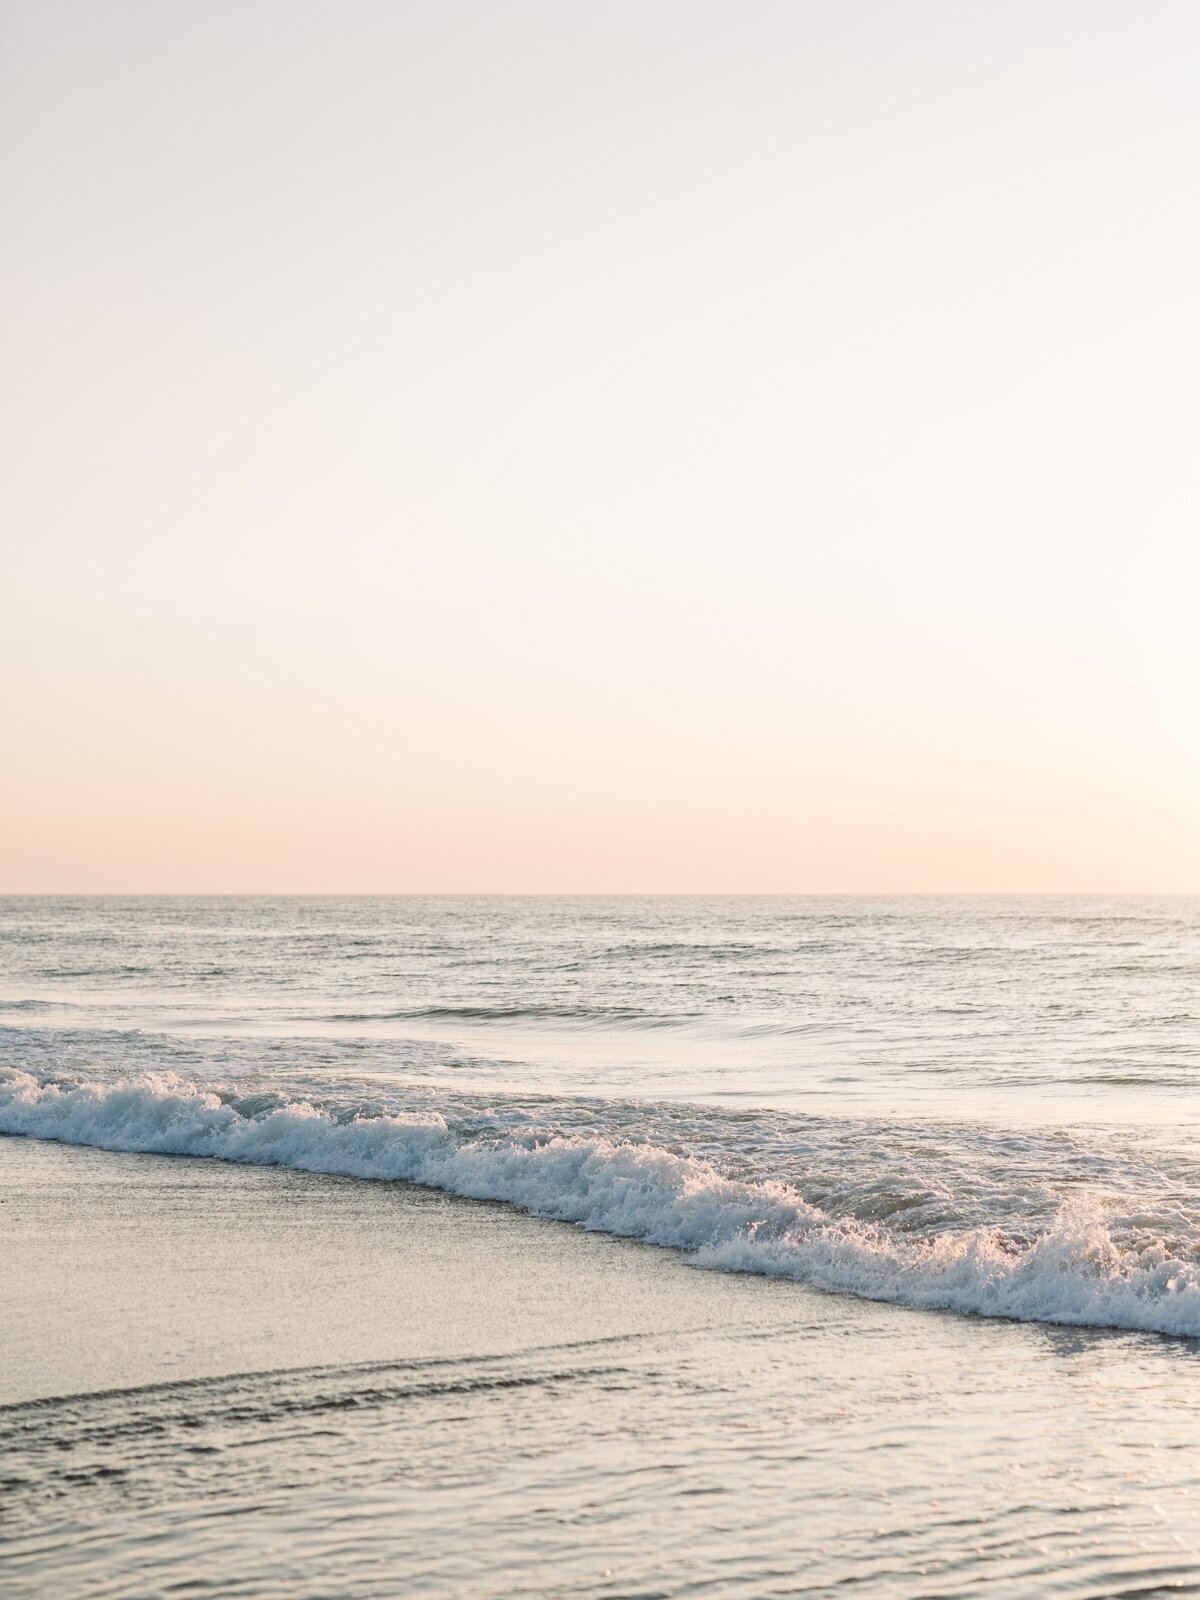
[{"x": 616, "y": 446}]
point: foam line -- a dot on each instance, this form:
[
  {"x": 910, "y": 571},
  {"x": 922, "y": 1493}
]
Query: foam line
[{"x": 1077, "y": 1270}]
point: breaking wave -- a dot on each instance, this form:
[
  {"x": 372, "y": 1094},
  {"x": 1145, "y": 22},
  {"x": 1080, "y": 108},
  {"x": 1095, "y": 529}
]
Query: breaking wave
[{"x": 1083, "y": 1264}]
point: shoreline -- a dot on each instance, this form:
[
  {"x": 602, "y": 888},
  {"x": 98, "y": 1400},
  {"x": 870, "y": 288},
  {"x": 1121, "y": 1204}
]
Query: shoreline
[{"x": 125, "y": 1270}]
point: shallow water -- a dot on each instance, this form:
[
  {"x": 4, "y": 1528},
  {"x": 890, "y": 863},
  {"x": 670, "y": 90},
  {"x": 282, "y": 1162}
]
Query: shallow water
[{"x": 928, "y": 1107}]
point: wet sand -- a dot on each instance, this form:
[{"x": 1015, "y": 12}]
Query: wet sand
[
  {"x": 273, "y": 1384},
  {"x": 124, "y": 1270}
]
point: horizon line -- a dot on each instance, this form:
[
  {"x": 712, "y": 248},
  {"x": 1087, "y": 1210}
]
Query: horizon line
[{"x": 596, "y": 894}]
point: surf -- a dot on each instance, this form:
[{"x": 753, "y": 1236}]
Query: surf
[{"x": 646, "y": 1175}]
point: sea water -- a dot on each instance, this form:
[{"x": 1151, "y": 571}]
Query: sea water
[{"x": 935, "y": 1157}]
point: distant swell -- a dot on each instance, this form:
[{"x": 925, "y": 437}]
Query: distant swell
[
  {"x": 581, "y": 1016},
  {"x": 1076, "y": 1270}
]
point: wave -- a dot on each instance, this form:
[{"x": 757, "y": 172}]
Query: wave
[
  {"x": 615, "y": 1018},
  {"x": 698, "y": 950},
  {"x": 582, "y": 1016},
  {"x": 1077, "y": 1269}
]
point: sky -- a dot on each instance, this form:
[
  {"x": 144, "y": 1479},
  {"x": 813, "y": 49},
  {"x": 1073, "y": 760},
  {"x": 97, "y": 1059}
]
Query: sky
[{"x": 601, "y": 446}]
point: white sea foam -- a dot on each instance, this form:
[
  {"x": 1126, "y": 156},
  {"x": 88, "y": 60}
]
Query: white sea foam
[{"x": 1078, "y": 1270}]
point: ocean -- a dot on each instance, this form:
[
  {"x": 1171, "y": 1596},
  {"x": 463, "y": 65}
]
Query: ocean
[{"x": 599, "y": 1246}]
